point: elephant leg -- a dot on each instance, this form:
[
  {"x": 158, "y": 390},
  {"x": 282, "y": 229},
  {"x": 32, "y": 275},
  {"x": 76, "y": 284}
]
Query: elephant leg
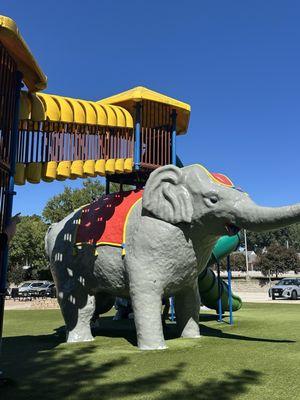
[
  {"x": 147, "y": 317},
  {"x": 187, "y": 307},
  {"x": 77, "y": 308}
]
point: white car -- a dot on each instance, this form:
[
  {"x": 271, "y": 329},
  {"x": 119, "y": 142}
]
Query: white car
[
  {"x": 288, "y": 288},
  {"x": 35, "y": 288}
]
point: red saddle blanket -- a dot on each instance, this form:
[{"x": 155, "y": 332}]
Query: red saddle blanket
[{"x": 104, "y": 221}]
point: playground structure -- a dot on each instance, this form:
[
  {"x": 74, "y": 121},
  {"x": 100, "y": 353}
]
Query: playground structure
[
  {"x": 123, "y": 138},
  {"x": 46, "y": 137}
]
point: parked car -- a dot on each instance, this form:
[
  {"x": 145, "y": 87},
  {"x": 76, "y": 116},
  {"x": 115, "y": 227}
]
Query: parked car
[
  {"x": 288, "y": 288},
  {"x": 23, "y": 289},
  {"x": 37, "y": 289}
]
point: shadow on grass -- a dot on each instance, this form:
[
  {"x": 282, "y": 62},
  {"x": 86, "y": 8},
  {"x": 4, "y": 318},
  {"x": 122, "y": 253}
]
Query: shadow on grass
[
  {"x": 39, "y": 370},
  {"x": 126, "y": 329},
  {"x": 75, "y": 374}
]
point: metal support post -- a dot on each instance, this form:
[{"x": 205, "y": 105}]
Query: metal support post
[
  {"x": 246, "y": 255},
  {"x": 172, "y": 308},
  {"x": 137, "y": 143},
  {"x": 174, "y": 127},
  {"x": 220, "y": 311},
  {"x": 10, "y": 195},
  {"x": 107, "y": 186},
  {"x": 229, "y": 290}
]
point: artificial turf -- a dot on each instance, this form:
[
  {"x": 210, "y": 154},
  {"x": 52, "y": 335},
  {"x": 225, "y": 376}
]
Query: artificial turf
[{"x": 257, "y": 358}]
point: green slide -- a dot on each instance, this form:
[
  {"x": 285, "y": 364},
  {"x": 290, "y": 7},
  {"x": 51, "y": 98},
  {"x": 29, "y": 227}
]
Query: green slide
[{"x": 208, "y": 282}]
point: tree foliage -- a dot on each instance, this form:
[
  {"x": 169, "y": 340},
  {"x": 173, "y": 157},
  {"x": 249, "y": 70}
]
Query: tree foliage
[
  {"x": 257, "y": 241},
  {"x": 27, "y": 248},
  {"x": 237, "y": 262},
  {"x": 278, "y": 259},
  {"x": 61, "y": 205}
]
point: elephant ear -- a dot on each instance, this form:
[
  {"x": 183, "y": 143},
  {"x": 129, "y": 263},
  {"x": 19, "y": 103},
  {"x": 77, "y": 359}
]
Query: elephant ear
[{"x": 166, "y": 196}]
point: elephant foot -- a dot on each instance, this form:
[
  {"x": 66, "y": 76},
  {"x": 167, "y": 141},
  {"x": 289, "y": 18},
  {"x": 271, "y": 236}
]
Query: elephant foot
[
  {"x": 76, "y": 336},
  {"x": 147, "y": 348},
  {"x": 185, "y": 336},
  {"x": 191, "y": 330}
]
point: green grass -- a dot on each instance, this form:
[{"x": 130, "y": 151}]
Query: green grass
[{"x": 257, "y": 358}]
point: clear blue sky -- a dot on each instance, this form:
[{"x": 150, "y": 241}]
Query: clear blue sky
[{"x": 236, "y": 62}]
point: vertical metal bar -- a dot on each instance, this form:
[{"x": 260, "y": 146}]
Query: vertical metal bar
[
  {"x": 37, "y": 146},
  {"x": 172, "y": 306},
  {"x": 229, "y": 290},
  {"x": 42, "y": 144},
  {"x": 107, "y": 186},
  {"x": 174, "y": 116},
  {"x": 10, "y": 194},
  {"x": 154, "y": 150},
  {"x": 137, "y": 144},
  {"x": 219, "y": 294}
]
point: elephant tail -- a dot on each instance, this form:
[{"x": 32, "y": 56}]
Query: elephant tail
[{"x": 209, "y": 292}]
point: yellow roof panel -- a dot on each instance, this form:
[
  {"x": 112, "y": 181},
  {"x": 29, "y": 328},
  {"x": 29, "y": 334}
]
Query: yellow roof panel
[
  {"x": 42, "y": 107},
  {"x": 12, "y": 40},
  {"x": 130, "y": 97}
]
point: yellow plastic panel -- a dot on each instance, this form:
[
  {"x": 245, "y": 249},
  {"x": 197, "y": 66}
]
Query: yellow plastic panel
[
  {"x": 100, "y": 113},
  {"x": 25, "y": 106},
  {"x": 128, "y": 118},
  {"x": 41, "y": 107},
  {"x": 51, "y": 107},
  {"x": 90, "y": 114},
  {"x": 128, "y": 164},
  {"x": 129, "y": 98},
  {"x": 78, "y": 111},
  {"x": 110, "y": 166},
  {"x": 63, "y": 169},
  {"x": 89, "y": 168},
  {"x": 100, "y": 167},
  {"x": 12, "y": 40},
  {"x": 49, "y": 171},
  {"x": 38, "y": 111},
  {"x": 119, "y": 166},
  {"x": 66, "y": 111},
  {"x": 77, "y": 168},
  {"x": 121, "y": 121},
  {"x": 20, "y": 174},
  {"x": 111, "y": 116},
  {"x": 140, "y": 93},
  {"x": 33, "y": 172}
]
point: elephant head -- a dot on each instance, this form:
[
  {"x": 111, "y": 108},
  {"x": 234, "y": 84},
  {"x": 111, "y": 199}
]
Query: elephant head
[{"x": 194, "y": 196}]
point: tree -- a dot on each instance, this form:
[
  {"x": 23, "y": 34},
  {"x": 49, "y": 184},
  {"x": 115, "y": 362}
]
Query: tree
[
  {"x": 27, "y": 248},
  {"x": 61, "y": 205},
  {"x": 257, "y": 241},
  {"x": 237, "y": 262},
  {"x": 64, "y": 203},
  {"x": 278, "y": 259}
]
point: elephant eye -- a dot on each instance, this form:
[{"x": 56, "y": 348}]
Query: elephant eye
[{"x": 213, "y": 199}]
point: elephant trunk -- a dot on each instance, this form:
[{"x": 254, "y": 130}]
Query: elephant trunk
[{"x": 259, "y": 219}]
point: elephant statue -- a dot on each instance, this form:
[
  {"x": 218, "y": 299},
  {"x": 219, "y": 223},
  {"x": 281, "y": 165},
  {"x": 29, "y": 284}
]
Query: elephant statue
[{"x": 170, "y": 235}]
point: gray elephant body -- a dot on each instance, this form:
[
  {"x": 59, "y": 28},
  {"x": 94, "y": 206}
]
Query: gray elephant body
[
  {"x": 170, "y": 237},
  {"x": 159, "y": 261}
]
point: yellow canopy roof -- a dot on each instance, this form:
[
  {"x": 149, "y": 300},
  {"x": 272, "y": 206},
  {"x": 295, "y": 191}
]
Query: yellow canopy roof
[
  {"x": 130, "y": 97},
  {"x": 12, "y": 40},
  {"x": 42, "y": 107}
]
